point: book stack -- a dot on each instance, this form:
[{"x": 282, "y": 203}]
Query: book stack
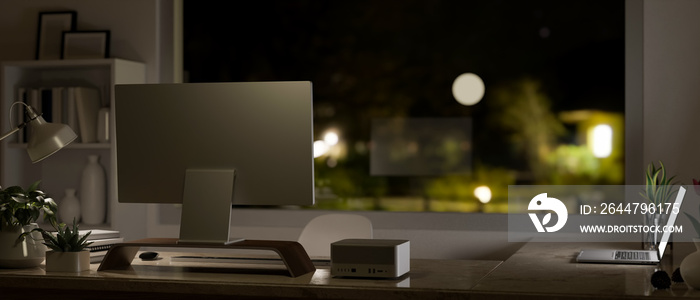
[
  {"x": 75, "y": 106},
  {"x": 101, "y": 240}
]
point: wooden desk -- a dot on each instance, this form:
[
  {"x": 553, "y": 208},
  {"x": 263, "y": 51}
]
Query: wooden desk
[
  {"x": 536, "y": 271},
  {"x": 163, "y": 279},
  {"x": 549, "y": 271}
]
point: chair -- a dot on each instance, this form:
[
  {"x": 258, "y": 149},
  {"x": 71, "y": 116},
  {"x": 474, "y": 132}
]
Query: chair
[{"x": 323, "y": 230}]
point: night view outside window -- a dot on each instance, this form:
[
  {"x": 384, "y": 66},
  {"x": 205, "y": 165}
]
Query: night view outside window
[{"x": 433, "y": 105}]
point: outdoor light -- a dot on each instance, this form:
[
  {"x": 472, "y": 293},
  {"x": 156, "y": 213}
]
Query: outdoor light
[
  {"x": 468, "y": 89},
  {"x": 331, "y": 138},
  {"x": 44, "y": 138},
  {"x": 601, "y": 139},
  {"x": 320, "y": 148},
  {"x": 483, "y": 193}
]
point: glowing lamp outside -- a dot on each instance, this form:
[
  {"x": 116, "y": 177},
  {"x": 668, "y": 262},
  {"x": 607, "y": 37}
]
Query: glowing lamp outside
[
  {"x": 601, "y": 138},
  {"x": 483, "y": 193}
]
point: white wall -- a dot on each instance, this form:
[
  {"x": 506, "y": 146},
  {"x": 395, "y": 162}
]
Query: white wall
[
  {"x": 432, "y": 235},
  {"x": 148, "y": 31},
  {"x": 141, "y": 30},
  {"x": 671, "y": 77}
]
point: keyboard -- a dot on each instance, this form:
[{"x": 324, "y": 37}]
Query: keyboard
[{"x": 632, "y": 255}]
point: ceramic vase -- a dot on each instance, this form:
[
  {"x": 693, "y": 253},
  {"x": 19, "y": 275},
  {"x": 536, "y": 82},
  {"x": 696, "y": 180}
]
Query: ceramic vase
[
  {"x": 69, "y": 207},
  {"x": 71, "y": 262},
  {"x": 690, "y": 267},
  {"x": 27, "y": 254},
  {"x": 93, "y": 193}
]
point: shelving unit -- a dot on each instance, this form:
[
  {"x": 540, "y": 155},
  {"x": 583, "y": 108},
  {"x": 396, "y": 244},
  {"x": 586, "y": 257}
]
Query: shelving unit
[{"x": 63, "y": 169}]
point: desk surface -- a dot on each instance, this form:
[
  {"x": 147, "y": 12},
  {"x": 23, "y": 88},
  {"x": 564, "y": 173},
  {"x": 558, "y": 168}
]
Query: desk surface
[
  {"x": 544, "y": 270},
  {"x": 536, "y": 271}
]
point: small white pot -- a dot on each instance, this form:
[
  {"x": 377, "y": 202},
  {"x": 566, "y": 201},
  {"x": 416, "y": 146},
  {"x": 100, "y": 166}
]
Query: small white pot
[
  {"x": 72, "y": 262},
  {"x": 27, "y": 254}
]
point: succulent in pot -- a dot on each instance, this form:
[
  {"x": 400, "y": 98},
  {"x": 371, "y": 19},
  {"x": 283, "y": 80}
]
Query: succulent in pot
[{"x": 68, "y": 248}]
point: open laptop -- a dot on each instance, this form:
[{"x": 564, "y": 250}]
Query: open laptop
[{"x": 633, "y": 256}]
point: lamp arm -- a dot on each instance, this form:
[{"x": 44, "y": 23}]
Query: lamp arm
[
  {"x": 11, "y": 132},
  {"x": 30, "y": 113}
]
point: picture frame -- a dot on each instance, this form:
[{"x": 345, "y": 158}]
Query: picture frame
[
  {"x": 49, "y": 33},
  {"x": 85, "y": 44}
]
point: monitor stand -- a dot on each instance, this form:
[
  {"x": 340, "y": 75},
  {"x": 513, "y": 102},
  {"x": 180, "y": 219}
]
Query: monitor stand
[
  {"x": 207, "y": 206},
  {"x": 206, "y": 217}
]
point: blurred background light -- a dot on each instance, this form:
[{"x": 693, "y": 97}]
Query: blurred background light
[
  {"x": 331, "y": 138},
  {"x": 483, "y": 193},
  {"x": 320, "y": 148},
  {"x": 468, "y": 89},
  {"x": 601, "y": 140}
]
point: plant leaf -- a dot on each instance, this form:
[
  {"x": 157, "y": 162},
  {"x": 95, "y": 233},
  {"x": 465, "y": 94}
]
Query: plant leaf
[{"x": 34, "y": 186}]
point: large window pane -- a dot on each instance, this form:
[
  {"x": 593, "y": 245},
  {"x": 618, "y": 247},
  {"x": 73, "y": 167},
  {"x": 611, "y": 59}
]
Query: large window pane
[{"x": 391, "y": 134}]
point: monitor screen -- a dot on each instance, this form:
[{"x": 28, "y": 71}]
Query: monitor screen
[{"x": 262, "y": 130}]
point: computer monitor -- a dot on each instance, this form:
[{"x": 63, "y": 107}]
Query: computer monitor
[{"x": 211, "y": 145}]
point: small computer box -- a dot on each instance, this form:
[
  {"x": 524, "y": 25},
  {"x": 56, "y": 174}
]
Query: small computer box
[{"x": 370, "y": 258}]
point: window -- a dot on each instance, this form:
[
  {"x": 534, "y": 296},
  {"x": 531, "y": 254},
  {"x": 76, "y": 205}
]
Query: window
[{"x": 391, "y": 133}]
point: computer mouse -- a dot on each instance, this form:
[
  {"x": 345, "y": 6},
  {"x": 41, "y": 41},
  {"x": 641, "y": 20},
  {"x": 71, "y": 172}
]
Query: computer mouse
[{"x": 148, "y": 255}]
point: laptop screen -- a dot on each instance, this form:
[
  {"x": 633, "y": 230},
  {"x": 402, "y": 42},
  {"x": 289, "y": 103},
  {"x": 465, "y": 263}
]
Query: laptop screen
[{"x": 671, "y": 221}]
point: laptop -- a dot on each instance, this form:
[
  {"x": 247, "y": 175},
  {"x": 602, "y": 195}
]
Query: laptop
[{"x": 633, "y": 256}]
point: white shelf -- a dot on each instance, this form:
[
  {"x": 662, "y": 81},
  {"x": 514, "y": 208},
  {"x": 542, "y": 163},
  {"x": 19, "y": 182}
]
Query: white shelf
[
  {"x": 64, "y": 168},
  {"x": 68, "y": 63}
]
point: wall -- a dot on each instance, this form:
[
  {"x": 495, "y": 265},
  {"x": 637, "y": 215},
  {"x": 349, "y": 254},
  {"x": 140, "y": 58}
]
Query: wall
[
  {"x": 432, "y": 235},
  {"x": 671, "y": 71},
  {"x": 141, "y": 30},
  {"x": 148, "y": 31}
]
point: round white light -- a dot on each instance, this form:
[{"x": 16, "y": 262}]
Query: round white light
[
  {"x": 602, "y": 141},
  {"x": 483, "y": 193},
  {"x": 468, "y": 89},
  {"x": 320, "y": 148},
  {"x": 331, "y": 138}
]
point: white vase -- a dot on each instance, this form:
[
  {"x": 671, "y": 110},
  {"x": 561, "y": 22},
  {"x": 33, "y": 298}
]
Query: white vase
[
  {"x": 690, "y": 267},
  {"x": 72, "y": 262},
  {"x": 69, "y": 207},
  {"x": 93, "y": 192},
  {"x": 27, "y": 254}
]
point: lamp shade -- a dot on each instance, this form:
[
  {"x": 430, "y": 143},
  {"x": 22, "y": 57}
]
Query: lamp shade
[{"x": 46, "y": 138}]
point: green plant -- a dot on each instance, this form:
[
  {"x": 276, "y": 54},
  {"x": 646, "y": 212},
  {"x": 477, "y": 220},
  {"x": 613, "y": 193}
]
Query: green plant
[
  {"x": 659, "y": 187},
  {"x": 19, "y": 207},
  {"x": 65, "y": 239}
]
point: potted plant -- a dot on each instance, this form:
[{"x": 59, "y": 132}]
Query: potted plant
[
  {"x": 19, "y": 210},
  {"x": 658, "y": 190},
  {"x": 68, "y": 251}
]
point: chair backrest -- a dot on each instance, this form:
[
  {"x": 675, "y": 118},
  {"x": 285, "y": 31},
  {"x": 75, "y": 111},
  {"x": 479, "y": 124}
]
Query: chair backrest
[{"x": 323, "y": 230}]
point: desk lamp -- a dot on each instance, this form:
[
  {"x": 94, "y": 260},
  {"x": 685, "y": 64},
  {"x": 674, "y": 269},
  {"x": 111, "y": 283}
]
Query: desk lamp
[{"x": 44, "y": 138}]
